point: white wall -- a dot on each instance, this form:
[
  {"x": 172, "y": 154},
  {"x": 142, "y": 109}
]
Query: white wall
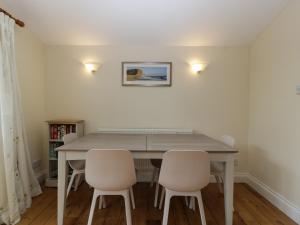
[
  {"x": 215, "y": 102},
  {"x": 274, "y": 121},
  {"x": 30, "y": 56}
]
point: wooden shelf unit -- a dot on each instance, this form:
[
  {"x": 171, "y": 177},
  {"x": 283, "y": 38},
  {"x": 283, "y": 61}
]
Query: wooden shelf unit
[{"x": 56, "y": 130}]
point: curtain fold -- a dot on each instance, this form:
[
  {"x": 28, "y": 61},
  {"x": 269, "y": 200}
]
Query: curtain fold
[{"x": 17, "y": 180}]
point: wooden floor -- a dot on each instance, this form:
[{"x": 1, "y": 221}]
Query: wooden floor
[{"x": 250, "y": 208}]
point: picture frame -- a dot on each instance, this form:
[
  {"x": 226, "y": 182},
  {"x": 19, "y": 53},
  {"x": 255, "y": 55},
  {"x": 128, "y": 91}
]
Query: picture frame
[{"x": 147, "y": 74}]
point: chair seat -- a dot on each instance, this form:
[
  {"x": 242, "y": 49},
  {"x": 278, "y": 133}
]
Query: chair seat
[{"x": 77, "y": 164}]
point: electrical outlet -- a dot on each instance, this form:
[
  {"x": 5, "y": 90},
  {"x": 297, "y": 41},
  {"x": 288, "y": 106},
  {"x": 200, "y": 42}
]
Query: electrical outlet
[{"x": 236, "y": 163}]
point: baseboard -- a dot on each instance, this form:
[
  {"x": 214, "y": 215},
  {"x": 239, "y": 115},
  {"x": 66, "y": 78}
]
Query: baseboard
[{"x": 286, "y": 206}]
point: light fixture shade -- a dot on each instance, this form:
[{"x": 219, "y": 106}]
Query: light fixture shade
[
  {"x": 91, "y": 67},
  {"x": 198, "y": 67}
]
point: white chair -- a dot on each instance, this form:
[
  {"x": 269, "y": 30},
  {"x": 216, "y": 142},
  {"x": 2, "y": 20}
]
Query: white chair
[
  {"x": 218, "y": 168},
  {"x": 184, "y": 173},
  {"x": 111, "y": 172},
  {"x": 76, "y": 165},
  {"x": 156, "y": 163}
]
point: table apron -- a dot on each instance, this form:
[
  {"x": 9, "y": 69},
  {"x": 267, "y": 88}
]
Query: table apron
[{"x": 218, "y": 157}]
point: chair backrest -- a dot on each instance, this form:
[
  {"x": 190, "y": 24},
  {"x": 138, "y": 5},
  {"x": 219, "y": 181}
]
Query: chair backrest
[
  {"x": 110, "y": 170},
  {"x": 67, "y": 138},
  {"x": 228, "y": 140},
  {"x": 185, "y": 170}
]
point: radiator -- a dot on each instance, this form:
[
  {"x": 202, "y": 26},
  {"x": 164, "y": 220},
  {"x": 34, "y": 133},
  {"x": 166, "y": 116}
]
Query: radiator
[{"x": 145, "y": 130}]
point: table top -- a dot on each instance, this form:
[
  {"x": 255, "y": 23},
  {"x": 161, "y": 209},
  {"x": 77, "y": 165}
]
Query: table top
[
  {"x": 133, "y": 142},
  {"x": 147, "y": 142},
  {"x": 165, "y": 142}
]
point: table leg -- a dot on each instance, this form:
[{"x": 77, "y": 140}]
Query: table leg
[
  {"x": 61, "y": 188},
  {"x": 228, "y": 190}
]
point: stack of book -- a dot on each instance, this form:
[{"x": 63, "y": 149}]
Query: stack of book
[{"x": 58, "y": 131}]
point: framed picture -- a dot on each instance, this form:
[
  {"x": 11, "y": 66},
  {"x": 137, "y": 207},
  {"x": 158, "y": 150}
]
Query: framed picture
[{"x": 146, "y": 74}]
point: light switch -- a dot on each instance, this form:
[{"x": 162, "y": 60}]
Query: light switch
[{"x": 298, "y": 89}]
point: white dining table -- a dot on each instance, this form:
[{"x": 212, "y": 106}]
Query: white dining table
[{"x": 146, "y": 146}]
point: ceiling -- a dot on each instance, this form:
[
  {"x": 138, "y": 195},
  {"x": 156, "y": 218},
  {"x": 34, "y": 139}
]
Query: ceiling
[{"x": 146, "y": 22}]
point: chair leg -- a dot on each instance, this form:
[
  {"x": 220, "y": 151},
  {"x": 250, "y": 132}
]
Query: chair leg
[
  {"x": 166, "y": 208},
  {"x": 186, "y": 199},
  {"x": 132, "y": 198},
  {"x": 90, "y": 220},
  {"x": 192, "y": 203},
  {"x": 71, "y": 182},
  {"x": 220, "y": 182},
  {"x": 201, "y": 208},
  {"x": 153, "y": 177},
  {"x": 77, "y": 180},
  {"x": 156, "y": 194},
  {"x": 102, "y": 202},
  {"x": 163, "y": 191},
  {"x": 127, "y": 207}
]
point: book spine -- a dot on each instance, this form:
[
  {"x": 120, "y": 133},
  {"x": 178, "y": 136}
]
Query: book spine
[
  {"x": 63, "y": 130},
  {"x": 55, "y": 136}
]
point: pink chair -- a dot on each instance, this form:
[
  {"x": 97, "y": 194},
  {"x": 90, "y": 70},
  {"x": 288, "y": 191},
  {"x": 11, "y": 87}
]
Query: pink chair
[
  {"x": 111, "y": 172},
  {"x": 184, "y": 173}
]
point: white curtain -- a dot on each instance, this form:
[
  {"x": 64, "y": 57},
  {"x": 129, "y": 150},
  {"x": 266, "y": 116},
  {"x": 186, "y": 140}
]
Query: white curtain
[{"x": 17, "y": 181}]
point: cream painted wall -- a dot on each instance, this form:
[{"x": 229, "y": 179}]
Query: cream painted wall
[
  {"x": 30, "y": 56},
  {"x": 215, "y": 102},
  {"x": 274, "y": 121}
]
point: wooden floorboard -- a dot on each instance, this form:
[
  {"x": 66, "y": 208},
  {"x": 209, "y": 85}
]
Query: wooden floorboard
[{"x": 250, "y": 208}]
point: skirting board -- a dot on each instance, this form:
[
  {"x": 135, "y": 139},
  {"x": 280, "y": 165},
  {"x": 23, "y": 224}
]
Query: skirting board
[
  {"x": 287, "y": 207},
  {"x": 279, "y": 201}
]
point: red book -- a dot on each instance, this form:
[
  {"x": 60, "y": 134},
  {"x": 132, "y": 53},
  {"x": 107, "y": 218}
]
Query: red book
[{"x": 55, "y": 135}]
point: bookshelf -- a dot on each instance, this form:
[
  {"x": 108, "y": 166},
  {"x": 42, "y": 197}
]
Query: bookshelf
[{"x": 56, "y": 130}]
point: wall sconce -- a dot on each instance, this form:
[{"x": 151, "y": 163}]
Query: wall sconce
[
  {"x": 91, "y": 67},
  {"x": 198, "y": 68}
]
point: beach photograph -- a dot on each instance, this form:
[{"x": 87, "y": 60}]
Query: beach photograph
[{"x": 147, "y": 74}]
